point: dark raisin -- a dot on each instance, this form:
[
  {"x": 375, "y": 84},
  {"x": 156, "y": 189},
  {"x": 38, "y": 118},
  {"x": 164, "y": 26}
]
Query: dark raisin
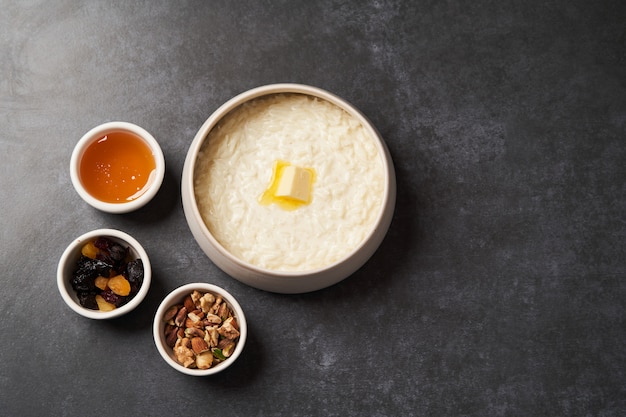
[
  {"x": 88, "y": 300},
  {"x": 134, "y": 273},
  {"x": 83, "y": 283},
  {"x": 111, "y": 252},
  {"x": 92, "y": 267},
  {"x": 110, "y": 297},
  {"x": 111, "y": 259},
  {"x": 87, "y": 269}
]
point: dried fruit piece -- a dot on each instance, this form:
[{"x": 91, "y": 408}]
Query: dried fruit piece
[
  {"x": 134, "y": 273},
  {"x": 101, "y": 282},
  {"x": 88, "y": 300},
  {"x": 89, "y": 250},
  {"x": 86, "y": 272},
  {"x": 100, "y": 259},
  {"x": 119, "y": 285},
  {"x": 110, "y": 251},
  {"x": 103, "y": 305},
  {"x": 110, "y": 297}
]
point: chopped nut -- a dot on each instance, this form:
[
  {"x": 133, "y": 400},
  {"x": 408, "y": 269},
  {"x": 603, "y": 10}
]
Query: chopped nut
[
  {"x": 213, "y": 319},
  {"x": 202, "y": 331},
  {"x": 189, "y": 304},
  {"x": 190, "y": 323},
  {"x": 170, "y": 313},
  {"x": 194, "y": 332},
  {"x": 223, "y": 311},
  {"x": 227, "y": 346},
  {"x": 171, "y": 339},
  {"x": 212, "y": 336},
  {"x": 216, "y": 305},
  {"x": 229, "y": 329},
  {"x": 184, "y": 355},
  {"x": 204, "y": 360},
  {"x": 233, "y": 321},
  {"x": 194, "y": 317},
  {"x": 206, "y": 302},
  {"x": 170, "y": 335},
  {"x": 199, "y": 345},
  {"x": 199, "y": 313},
  {"x": 195, "y": 297},
  {"x": 181, "y": 316}
]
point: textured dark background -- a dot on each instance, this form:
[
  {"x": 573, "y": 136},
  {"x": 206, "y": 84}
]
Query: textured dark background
[{"x": 500, "y": 288}]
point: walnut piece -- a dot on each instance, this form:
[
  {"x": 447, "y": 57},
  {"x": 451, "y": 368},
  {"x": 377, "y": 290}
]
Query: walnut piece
[
  {"x": 184, "y": 355},
  {"x": 206, "y": 301},
  {"x": 229, "y": 329}
]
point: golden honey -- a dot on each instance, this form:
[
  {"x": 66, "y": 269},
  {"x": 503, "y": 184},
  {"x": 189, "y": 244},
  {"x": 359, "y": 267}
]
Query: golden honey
[{"x": 117, "y": 167}]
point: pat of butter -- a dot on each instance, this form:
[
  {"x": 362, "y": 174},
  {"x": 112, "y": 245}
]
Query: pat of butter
[{"x": 295, "y": 183}]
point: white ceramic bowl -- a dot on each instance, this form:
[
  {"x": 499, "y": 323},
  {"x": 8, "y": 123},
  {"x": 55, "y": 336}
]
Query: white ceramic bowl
[
  {"x": 67, "y": 265},
  {"x": 279, "y": 281},
  {"x": 176, "y": 297},
  {"x": 154, "y": 182}
]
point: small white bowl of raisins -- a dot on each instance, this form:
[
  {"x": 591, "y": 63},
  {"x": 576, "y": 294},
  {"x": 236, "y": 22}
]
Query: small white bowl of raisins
[
  {"x": 104, "y": 274},
  {"x": 200, "y": 329}
]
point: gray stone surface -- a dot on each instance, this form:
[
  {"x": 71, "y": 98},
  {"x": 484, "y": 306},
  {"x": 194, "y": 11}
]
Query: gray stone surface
[{"x": 500, "y": 288}]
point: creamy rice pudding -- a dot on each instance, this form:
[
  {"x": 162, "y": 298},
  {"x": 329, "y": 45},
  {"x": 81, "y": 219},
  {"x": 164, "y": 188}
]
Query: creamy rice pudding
[{"x": 238, "y": 160}]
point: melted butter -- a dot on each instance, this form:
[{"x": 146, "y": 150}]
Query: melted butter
[{"x": 287, "y": 202}]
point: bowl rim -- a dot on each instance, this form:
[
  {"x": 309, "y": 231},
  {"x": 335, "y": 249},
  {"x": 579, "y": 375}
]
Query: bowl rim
[
  {"x": 155, "y": 181},
  {"x": 176, "y": 296},
  {"x": 69, "y": 255},
  {"x": 389, "y": 191}
]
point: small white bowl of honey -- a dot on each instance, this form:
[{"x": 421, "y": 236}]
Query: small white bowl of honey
[{"x": 117, "y": 167}]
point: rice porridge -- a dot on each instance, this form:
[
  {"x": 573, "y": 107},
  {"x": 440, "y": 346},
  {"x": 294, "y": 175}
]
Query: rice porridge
[{"x": 238, "y": 160}]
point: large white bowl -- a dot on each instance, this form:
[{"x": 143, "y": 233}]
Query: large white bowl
[{"x": 280, "y": 281}]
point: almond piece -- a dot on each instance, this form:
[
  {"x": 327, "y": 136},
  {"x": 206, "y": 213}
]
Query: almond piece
[{"x": 199, "y": 345}]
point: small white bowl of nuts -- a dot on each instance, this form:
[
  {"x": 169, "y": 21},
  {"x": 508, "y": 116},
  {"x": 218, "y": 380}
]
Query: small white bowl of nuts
[
  {"x": 104, "y": 274},
  {"x": 200, "y": 329}
]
